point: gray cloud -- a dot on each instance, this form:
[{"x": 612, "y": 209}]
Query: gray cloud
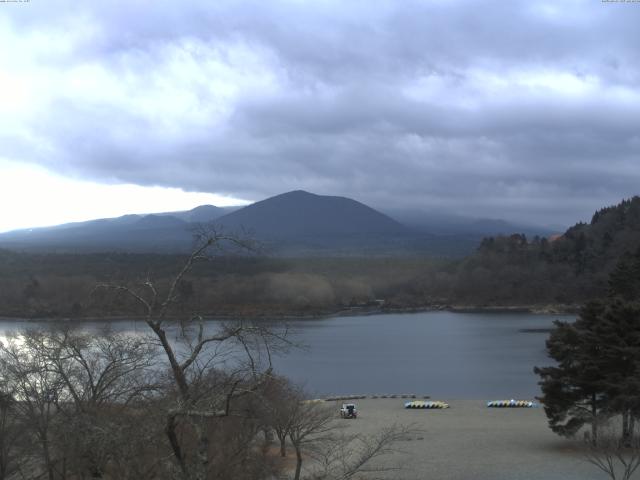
[{"x": 523, "y": 110}]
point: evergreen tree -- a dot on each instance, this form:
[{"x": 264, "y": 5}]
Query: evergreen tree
[
  {"x": 624, "y": 281},
  {"x": 616, "y": 330},
  {"x": 598, "y": 360},
  {"x": 573, "y": 391}
]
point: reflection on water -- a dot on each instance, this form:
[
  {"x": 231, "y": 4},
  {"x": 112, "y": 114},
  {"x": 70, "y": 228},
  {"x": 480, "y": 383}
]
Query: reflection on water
[{"x": 442, "y": 354}]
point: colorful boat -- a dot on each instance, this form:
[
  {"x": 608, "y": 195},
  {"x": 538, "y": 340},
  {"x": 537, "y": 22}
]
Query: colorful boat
[
  {"x": 426, "y": 404},
  {"x": 511, "y": 404}
]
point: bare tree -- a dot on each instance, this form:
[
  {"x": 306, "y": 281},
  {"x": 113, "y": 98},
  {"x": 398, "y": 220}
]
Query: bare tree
[
  {"x": 96, "y": 368},
  {"x": 345, "y": 456},
  {"x": 195, "y": 352},
  {"x": 103, "y": 376},
  {"x": 77, "y": 396},
  {"x": 618, "y": 457},
  {"x": 37, "y": 389},
  {"x": 311, "y": 424},
  {"x": 336, "y": 455},
  {"x": 316, "y": 434},
  {"x": 11, "y": 435},
  {"x": 281, "y": 401}
]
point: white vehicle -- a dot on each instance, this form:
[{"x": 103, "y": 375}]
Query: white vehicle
[{"x": 348, "y": 410}]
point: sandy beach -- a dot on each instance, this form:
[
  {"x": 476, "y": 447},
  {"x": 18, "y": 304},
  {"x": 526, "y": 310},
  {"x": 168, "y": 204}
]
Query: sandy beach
[{"x": 472, "y": 442}]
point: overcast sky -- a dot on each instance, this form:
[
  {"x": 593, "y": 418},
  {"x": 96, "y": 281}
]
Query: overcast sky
[{"x": 524, "y": 110}]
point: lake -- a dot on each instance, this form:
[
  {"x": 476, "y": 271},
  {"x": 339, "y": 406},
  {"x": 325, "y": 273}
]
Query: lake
[{"x": 441, "y": 354}]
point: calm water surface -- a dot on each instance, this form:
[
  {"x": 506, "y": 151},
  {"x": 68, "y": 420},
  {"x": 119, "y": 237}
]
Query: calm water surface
[{"x": 442, "y": 354}]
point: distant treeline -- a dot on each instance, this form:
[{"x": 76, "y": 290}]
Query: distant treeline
[
  {"x": 55, "y": 285},
  {"x": 504, "y": 271}
]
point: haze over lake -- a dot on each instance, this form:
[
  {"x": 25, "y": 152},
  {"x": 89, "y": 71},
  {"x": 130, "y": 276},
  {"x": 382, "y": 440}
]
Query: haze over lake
[{"x": 442, "y": 354}]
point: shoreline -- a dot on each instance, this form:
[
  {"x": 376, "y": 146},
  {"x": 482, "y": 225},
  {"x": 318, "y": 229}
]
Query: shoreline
[{"x": 544, "y": 309}]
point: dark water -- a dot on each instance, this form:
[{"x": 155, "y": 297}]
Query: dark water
[{"x": 442, "y": 354}]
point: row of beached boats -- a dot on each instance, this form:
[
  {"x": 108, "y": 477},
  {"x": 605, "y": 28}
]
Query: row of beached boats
[{"x": 435, "y": 404}]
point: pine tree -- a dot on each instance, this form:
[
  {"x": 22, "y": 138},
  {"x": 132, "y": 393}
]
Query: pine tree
[
  {"x": 617, "y": 330},
  {"x": 598, "y": 368},
  {"x": 573, "y": 392},
  {"x": 624, "y": 281}
]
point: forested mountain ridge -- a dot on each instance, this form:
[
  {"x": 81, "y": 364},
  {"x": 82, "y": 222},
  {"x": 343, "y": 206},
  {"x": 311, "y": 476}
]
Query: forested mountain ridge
[
  {"x": 568, "y": 269},
  {"x": 612, "y": 232}
]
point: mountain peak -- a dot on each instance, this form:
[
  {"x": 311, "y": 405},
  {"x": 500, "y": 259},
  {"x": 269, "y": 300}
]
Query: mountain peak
[
  {"x": 204, "y": 208},
  {"x": 296, "y": 193},
  {"x": 293, "y": 218},
  {"x": 301, "y": 213}
]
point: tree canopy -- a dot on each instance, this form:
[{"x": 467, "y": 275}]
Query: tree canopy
[{"x": 597, "y": 371}]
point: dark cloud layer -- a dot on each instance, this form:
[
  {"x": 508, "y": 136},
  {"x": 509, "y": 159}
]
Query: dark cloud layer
[{"x": 523, "y": 110}]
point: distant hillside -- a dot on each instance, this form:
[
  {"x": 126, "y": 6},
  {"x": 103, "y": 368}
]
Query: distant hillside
[
  {"x": 437, "y": 223},
  {"x": 612, "y": 232},
  {"x": 586, "y": 247},
  {"x": 303, "y": 214},
  {"x": 296, "y": 223},
  {"x": 134, "y": 233},
  {"x": 141, "y": 233},
  {"x": 201, "y": 214},
  {"x": 572, "y": 268}
]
